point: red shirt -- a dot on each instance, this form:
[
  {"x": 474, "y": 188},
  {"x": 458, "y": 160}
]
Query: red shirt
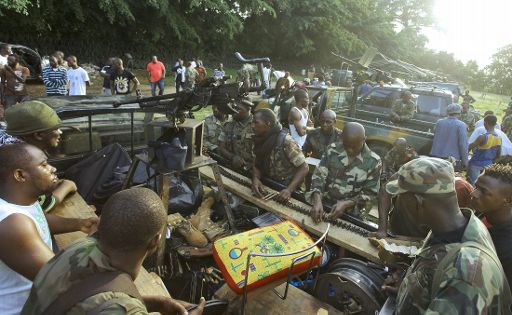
[{"x": 156, "y": 71}]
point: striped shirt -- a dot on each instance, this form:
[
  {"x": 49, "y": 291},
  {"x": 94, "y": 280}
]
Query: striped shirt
[{"x": 55, "y": 80}]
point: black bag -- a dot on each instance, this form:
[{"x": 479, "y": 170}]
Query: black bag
[
  {"x": 186, "y": 193},
  {"x": 104, "y": 167},
  {"x": 171, "y": 150}
]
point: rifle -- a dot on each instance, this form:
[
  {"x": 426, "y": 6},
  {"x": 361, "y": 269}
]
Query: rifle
[{"x": 210, "y": 91}]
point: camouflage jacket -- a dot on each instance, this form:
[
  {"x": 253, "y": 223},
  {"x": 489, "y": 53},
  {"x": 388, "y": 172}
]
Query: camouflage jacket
[
  {"x": 317, "y": 142},
  {"x": 404, "y": 110},
  {"x": 335, "y": 179},
  {"x": 284, "y": 161},
  {"x": 506, "y": 126},
  {"x": 471, "y": 284},
  {"x": 237, "y": 136},
  {"x": 80, "y": 258},
  {"x": 212, "y": 129},
  {"x": 469, "y": 118},
  {"x": 394, "y": 159}
]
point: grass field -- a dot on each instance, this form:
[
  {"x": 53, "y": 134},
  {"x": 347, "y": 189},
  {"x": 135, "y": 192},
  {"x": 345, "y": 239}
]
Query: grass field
[{"x": 496, "y": 103}]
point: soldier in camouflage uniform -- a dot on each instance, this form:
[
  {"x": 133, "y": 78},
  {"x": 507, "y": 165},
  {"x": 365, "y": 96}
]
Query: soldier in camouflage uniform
[
  {"x": 319, "y": 139},
  {"x": 277, "y": 155},
  {"x": 130, "y": 229},
  {"x": 403, "y": 109},
  {"x": 506, "y": 123},
  {"x": 396, "y": 157},
  {"x": 457, "y": 270},
  {"x": 348, "y": 176},
  {"x": 213, "y": 126},
  {"x": 235, "y": 140},
  {"x": 468, "y": 117}
]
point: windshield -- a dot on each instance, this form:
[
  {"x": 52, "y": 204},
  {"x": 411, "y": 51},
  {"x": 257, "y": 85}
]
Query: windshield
[{"x": 433, "y": 105}]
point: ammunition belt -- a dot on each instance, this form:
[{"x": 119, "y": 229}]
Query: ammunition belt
[{"x": 301, "y": 209}]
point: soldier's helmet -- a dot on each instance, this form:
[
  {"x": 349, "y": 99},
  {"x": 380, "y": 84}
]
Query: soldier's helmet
[
  {"x": 425, "y": 175},
  {"x": 453, "y": 108}
]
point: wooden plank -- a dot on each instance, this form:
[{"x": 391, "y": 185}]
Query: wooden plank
[
  {"x": 297, "y": 302},
  {"x": 74, "y": 206},
  {"x": 346, "y": 239}
]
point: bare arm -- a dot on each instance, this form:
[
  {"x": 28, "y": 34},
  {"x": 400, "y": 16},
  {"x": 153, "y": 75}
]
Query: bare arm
[
  {"x": 136, "y": 83},
  {"x": 294, "y": 118},
  {"x": 64, "y": 188},
  {"x": 59, "y": 225},
  {"x": 477, "y": 142},
  {"x": 21, "y": 247},
  {"x": 298, "y": 178}
]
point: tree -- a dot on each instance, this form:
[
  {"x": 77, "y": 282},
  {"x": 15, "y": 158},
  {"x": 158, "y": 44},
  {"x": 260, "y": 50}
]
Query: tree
[{"x": 500, "y": 71}]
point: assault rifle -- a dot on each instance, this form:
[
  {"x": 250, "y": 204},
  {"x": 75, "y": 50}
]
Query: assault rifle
[{"x": 210, "y": 91}]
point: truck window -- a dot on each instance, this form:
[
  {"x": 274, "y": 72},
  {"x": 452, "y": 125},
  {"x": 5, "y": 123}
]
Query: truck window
[
  {"x": 341, "y": 101},
  {"x": 432, "y": 105},
  {"x": 381, "y": 97}
]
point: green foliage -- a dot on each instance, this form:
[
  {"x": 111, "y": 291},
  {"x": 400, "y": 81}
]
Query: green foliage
[{"x": 500, "y": 71}]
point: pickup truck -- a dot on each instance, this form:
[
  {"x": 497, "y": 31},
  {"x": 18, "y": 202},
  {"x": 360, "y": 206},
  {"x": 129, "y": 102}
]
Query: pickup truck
[{"x": 372, "y": 111}]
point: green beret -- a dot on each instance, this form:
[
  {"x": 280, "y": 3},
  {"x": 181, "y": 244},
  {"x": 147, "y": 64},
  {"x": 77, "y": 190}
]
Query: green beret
[{"x": 30, "y": 117}]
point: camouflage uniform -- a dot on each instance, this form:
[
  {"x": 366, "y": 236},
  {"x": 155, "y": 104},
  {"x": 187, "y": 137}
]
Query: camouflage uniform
[
  {"x": 317, "y": 142},
  {"x": 472, "y": 284},
  {"x": 212, "y": 129},
  {"x": 79, "y": 259},
  {"x": 284, "y": 161},
  {"x": 394, "y": 159},
  {"x": 506, "y": 126},
  {"x": 470, "y": 280},
  {"x": 404, "y": 110},
  {"x": 336, "y": 180},
  {"x": 237, "y": 136},
  {"x": 469, "y": 118}
]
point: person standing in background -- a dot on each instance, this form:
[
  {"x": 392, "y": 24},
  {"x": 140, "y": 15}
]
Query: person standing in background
[
  {"x": 78, "y": 78},
  {"x": 156, "y": 75}
]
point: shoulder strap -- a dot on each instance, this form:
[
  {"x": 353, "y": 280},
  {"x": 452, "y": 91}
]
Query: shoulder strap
[
  {"x": 280, "y": 138},
  {"x": 97, "y": 283},
  {"x": 506, "y": 297}
]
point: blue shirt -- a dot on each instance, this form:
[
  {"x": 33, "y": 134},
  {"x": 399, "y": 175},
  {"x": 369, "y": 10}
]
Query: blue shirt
[
  {"x": 486, "y": 153},
  {"x": 55, "y": 80},
  {"x": 450, "y": 139}
]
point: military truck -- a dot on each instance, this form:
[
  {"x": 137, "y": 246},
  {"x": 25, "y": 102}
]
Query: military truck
[{"x": 373, "y": 108}]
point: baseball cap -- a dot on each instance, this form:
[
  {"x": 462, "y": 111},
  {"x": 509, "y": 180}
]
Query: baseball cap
[
  {"x": 425, "y": 175},
  {"x": 453, "y": 109}
]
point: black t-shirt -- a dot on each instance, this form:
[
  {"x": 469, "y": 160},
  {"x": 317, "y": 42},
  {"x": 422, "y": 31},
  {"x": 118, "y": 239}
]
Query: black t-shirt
[
  {"x": 106, "y": 80},
  {"x": 501, "y": 236},
  {"x": 122, "y": 81}
]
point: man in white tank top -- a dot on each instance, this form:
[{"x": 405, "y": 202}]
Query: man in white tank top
[
  {"x": 298, "y": 117},
  {"x": 25, "y": 239}
]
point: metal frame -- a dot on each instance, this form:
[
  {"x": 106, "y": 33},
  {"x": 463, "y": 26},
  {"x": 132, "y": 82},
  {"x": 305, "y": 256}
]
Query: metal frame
[{"x": 322, "y": 240}]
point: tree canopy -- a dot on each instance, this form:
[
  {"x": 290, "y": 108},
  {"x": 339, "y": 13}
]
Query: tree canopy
[{"x": 291, "y": 32}]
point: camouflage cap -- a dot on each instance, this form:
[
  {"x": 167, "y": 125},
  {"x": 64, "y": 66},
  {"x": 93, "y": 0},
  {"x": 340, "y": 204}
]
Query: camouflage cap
[
  {"x": 425, "y": 175},
  {"x": 30, "y": 117}
]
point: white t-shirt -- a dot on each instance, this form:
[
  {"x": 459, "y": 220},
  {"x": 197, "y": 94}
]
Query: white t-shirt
[
  {"x": 3, "y": 60},
  {"x": 480, "y": 123},
  {"x": 14, "y": 288},
  {"x": 77, "y": 78}
]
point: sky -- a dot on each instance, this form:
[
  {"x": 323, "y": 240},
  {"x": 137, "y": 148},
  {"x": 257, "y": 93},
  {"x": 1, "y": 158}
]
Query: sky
[{"x": 471, "y": 29}]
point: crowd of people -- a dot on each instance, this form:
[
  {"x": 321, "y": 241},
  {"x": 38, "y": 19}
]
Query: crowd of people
[{"x": 464, "y": 265}]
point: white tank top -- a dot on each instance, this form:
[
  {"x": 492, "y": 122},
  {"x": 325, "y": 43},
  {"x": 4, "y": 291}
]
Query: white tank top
[
  {"x": 303, "y": 122},
  {"x": 14, "y": 288}
]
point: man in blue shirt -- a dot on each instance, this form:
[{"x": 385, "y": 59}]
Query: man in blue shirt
[
  {"x": 450, "y": 137},
  {"x": 55, "y": 78},
  {"x": 486, "y": 149}
]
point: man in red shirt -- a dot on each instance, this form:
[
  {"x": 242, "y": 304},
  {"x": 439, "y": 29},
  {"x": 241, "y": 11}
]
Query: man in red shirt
[
  {"x": 156, "y": 75},
  {"x": 13, "y": 80}
]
